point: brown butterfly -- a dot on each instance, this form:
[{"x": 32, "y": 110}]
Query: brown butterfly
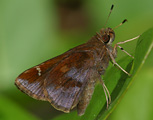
[{"x": 68, "y": 80}]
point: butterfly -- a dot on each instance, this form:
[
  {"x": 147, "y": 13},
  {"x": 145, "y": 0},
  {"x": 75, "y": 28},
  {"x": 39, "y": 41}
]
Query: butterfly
[{"x": 68, "y": 80}]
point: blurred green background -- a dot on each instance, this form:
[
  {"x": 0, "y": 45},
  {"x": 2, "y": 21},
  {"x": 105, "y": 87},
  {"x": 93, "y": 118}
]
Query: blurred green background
[{"x": 33, "y": 31}]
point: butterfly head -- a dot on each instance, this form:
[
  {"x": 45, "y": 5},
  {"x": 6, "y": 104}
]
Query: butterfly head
[{"x": 107, "y": 35}]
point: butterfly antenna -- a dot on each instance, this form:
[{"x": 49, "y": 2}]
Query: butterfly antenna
[
  {"x": 120, "y": 24},
  {"x": 109, "y": 14}
]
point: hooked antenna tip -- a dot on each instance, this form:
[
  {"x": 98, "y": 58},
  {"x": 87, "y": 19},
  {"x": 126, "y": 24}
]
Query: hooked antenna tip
[
  {"x": 124, "y": 21},
  {"x": 112, "y": 7}
]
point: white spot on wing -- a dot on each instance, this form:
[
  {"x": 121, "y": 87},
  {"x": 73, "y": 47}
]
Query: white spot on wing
[{"x": 39, "y": 70}]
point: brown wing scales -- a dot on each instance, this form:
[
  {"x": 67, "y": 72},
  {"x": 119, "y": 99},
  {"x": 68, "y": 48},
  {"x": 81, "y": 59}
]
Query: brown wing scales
[
  {"x": 31, "y": 81},
  {"x": 62, "y": 84},
  {"x": 64, "y": 88}
]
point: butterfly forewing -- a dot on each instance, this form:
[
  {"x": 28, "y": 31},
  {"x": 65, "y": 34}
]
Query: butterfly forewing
[
  {"x": 32, "y": 80},
  {"x": 61, "y": 84}
]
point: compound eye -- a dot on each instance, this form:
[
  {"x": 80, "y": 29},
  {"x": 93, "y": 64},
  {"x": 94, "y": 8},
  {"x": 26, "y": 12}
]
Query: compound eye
[{"x": 106, "y": 38}]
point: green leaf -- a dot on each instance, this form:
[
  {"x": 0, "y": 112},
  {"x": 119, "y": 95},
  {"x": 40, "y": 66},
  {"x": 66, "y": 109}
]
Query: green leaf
[
  {"x": 10, "y": 110},
  {"x": 116, "y": 81}
]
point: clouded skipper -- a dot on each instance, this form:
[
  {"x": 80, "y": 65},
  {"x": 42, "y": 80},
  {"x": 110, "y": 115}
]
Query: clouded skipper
[{"x": 68, "y": 80}]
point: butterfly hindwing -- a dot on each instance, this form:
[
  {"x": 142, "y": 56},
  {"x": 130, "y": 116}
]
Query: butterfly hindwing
[{"x": 65, "y": 82}]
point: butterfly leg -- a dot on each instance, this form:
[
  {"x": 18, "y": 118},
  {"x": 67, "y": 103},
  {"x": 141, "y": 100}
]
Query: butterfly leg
[
  {"x": 129, "y": 40},
  {"x": 115, "y": 63},
  {"x": 106, "y": 91},
  {"x": 124, "y": 51},
  {"x": 117, "y": 45}
]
